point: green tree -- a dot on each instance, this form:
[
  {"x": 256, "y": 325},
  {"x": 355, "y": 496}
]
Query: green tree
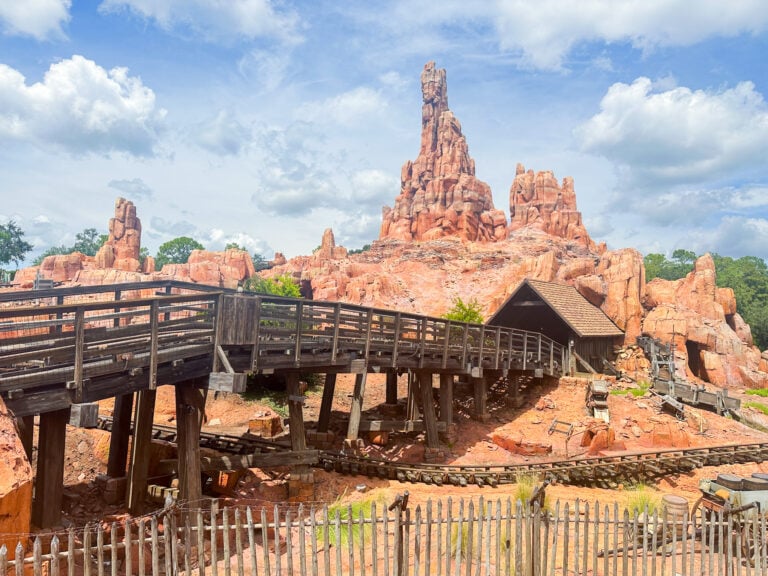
[
  {"x": 13, "y": 247},
  {"x": 233, "y": 246},
  {"x": 283, "y": 285},
  {"x": 176, "y": 251},
  {"x": 88, "y": 242},
  {"x": 465, "y": 312},
  {"x": 365, "y": 248},
  {"x": 657, "y": 265},
  {"x": 260, "y": 263}
]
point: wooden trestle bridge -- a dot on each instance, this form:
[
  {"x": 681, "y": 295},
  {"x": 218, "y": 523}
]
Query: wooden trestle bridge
[{"x": 63, "y": 349}]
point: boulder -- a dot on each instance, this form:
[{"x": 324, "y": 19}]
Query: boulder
[
  {"x": 623, "y": 273},
  {"x": 15, "y": 484}
]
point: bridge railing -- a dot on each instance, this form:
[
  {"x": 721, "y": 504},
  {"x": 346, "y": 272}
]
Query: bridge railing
[
  {"x": 81, "y": 348},
  {"x": 286, "y": 333}
]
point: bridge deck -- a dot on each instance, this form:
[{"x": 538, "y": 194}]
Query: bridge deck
[{"x": 61, "y": 346}]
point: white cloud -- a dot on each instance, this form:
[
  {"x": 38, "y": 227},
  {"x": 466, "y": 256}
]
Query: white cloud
[
  {"x": 80, "y": 107},
  {"x": 218, "y": 239},
  {"x": 348, "y": 108},
  {"x": 214, "y": 20},
  {"x": 546, "y": 31},
  {"x": 133, "y": 189},
  {"x": 41, "y": 19},
  {"x": 223, "y": 135},
  {"x": 374, "y": 187},
  {"x": 735, "y": 236},
  {"x": 678, "y": 135}
]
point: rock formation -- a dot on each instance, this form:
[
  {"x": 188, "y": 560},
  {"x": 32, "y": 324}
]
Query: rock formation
[
  {"x": 439, "y": 194},
  {"x": 712, "y": 342},
  {"x": 225, "y": 269},
  {"x": 121, "y": 250},
  {"x": 538, "y": 201},
  {"x": 15, "y": 484}
]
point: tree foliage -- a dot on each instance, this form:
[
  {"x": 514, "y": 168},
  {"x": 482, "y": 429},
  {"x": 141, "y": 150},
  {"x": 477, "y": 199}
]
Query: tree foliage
[
  {"x": 88, "y": 242},
  {"x": 465, "y": 311},
  {"x": 365, "y": 248},
  {"x": 283, "y": 285},
  {"x": 13, "y": 247},
  {"x": 176, "y": 251},
  {"x": 747, "y": 276},
  {"x": 260, "y": 263}
]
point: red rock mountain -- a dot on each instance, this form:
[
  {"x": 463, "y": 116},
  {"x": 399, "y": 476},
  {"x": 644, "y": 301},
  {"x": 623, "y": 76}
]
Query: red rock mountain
[
  {"x": 444, "y": 240},
  {"x": 440, "y": 195}
]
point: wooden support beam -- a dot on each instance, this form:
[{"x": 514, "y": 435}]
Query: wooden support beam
[
  {"x": 190, "y": 407},
  {"x": 356, "y": 409},
  {"x": 136, "y": 491},
  {"x": 49, "y": 482},
  {"x": 481, "y": 399},
  {"x": 296, "y": 413},
  {"x": 391, "y": 388},
  {"x": 446, "y": 398},
  {"x": 411, "y": 405},
  {"x": 428, "y": 409},
  {"x": 26, "y": 426},
  {"x": 397, "y": 426},
  {"x": 119, "y": 437},
  {"x": 329, "y": 388},
  {"x": 263, "y": 460}
]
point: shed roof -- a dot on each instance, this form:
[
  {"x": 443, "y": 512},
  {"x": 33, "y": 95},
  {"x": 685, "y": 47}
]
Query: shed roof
[{"x": 585, "y": 319}]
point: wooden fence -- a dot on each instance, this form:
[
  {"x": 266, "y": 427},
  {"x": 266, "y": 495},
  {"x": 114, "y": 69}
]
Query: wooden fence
[{"x": 443, "y": 538}]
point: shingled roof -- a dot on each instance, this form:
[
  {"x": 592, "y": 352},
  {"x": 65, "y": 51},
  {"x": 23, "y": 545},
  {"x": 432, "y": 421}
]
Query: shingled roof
[{"x": 585, "y": 319}]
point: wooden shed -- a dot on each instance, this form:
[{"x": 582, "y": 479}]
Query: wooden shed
[{"x": 560, "y": 312}]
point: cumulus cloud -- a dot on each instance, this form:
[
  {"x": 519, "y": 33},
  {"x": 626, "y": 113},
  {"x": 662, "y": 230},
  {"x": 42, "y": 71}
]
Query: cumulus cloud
[
  {"x": 546, "y": 31},
  {"x": 40, "y": 19},
  {"x": 355, "y": 229},
  {"x": 734, "y": 236},
  {"x": 223, "y": 135},
  {"x": 135, "y": 188},
  {"x": 348, "y": 108},
  {"x": 214, "y": 20},
  {"x": 172, "y": 228},
  {"x": 218, "y": 239},
  {"x": 678, "y": 135},
  {"x": 374, "y": 187},
  {"x": 81, "y": 108}
]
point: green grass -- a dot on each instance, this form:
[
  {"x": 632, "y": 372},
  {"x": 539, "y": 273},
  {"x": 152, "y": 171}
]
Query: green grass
[
  {"x": 640, "y": 498},
  {"x": 353, "y": 510},
  {"x": 460, "y": 540},
  {"x": 762, "y": 392},
  {"x": 757, "y": 406},
  {"x": 640, "y": 390}
]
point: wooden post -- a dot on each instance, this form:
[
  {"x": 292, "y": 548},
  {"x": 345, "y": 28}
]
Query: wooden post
[
  {"x": 296, "y": 413},
  {"x": 329, "y": 389},
  {"x": 142, "y": 438},
  {"x": 121, "y": 432},
  {"x": 26, "y": 425},
  {"x": 481, "y": 399},
  {"x": 49, "y": 483},
  {"x": 446, "y": 398},
  {"x": 391, "y": 392},
  {"x": 190, "y": 407},
  {"x": 357, "y": 407},
  {"x": 411, "y": 409},
  {"x": 428, "y": 409}
]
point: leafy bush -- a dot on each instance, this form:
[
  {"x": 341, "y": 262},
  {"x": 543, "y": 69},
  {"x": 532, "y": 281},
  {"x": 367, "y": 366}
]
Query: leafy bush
[
  {"x": 461, "y": 311},
  {"x": 283, "y": 285},
  {"x": 176, "y": 251},
  {"x": 640, "y": 499}
]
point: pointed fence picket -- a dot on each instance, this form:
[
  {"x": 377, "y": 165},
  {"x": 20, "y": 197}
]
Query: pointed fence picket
[{"x": 469, "y": 538}]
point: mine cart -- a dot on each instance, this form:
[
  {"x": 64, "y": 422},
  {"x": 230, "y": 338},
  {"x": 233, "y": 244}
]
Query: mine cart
[
  {"x": 597, "y": 400},
  {"x": 742, "y": 503}
]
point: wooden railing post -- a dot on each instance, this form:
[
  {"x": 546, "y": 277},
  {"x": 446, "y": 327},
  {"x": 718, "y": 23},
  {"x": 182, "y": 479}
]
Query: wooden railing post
[
  {"x": 79, "y": 351},
  {"x": 297, "y": 348},
  {"x": 153, "y": 322}
]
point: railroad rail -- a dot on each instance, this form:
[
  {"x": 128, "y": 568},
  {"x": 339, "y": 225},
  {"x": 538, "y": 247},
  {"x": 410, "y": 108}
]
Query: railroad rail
[{"x": 603, "y": 471}]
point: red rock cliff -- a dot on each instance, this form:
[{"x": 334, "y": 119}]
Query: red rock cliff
[
  {"x": 439, "y": 194},
  {"x": 537, "y": 200}
]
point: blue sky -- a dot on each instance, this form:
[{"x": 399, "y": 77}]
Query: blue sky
[{"x": 264, "y": 122}]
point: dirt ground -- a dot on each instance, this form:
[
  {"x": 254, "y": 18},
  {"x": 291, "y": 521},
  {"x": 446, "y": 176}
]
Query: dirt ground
[{"x": 636, "y": 422}]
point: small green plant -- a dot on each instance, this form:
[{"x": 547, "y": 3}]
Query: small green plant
[
  {"x": 762, "y": 392},
  {"x": 641, "y": 499},
  {"x": 461, "y": 311},
  {"x": 283, "y": 285},
  {"x": 757, "y": 406},
  {"x": 345, "y": 512},
  {"x": 460, "y": 540}
]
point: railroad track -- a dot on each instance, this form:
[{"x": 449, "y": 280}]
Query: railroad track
[{"x": 604, "y": 472}]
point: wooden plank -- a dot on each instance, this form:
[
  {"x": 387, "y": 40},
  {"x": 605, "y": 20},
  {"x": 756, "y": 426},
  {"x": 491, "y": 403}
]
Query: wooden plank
[
  {"x": 259, "y": 460},
  {"x": 118, "y": 440},
  {"x": 49, "y": 481},
  {"x": 446, "y": 398},
  {"x": 396, "y": 426},
  {"x": 26, "y": 426},
  {"x": 428, "y": 409},
  {"x": 153, "y": 345},
  {"x": 391, "y": 388},
  {"x": 190, "y": 407},
  {"x": 355, "y": 410},
  {"x": 79, "y": 344},
  {"x": 296, "y": 413},
  {"x": 329, "y": 389},
  {"x": 142, "y": 437}
]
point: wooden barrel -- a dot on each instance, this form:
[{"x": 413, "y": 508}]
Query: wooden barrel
[{"x": 673, "y": 509}]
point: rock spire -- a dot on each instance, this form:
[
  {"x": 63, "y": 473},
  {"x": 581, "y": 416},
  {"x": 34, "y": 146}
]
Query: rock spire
[{"x": 439, "y": 194}]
